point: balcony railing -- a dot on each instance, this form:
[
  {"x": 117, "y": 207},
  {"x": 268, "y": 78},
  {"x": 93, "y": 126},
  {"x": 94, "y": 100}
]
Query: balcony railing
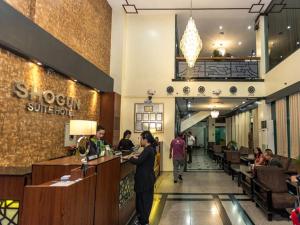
[{"x": 219, "y": 68}]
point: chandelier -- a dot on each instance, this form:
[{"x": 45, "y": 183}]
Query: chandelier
[
  {"x": 214, "y": 114},
  {"x": 191, "y": 43}
]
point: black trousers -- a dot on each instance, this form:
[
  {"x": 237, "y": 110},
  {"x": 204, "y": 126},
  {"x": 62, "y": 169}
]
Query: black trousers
[
  {"x": 189, "y": 151},
  {"x": 144, "y": 202}
]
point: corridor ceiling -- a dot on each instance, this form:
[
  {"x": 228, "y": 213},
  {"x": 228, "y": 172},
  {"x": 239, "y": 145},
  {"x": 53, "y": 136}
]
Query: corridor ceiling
[{"x": 224, "y": 105}]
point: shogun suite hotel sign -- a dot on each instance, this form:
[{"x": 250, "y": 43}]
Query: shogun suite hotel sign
[{"x": 46, "y": 101}]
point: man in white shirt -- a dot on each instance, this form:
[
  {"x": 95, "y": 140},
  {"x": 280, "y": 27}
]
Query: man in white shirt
[{"x": 190, "y": 144}]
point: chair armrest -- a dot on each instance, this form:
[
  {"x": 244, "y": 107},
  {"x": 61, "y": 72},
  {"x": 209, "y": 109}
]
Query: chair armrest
[
  {"x": 261, "y": 186},
  {"x": 265, "y": 189}
]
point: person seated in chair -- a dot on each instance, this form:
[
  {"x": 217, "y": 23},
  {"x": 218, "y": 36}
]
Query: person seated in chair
[
  {"x": 259, "y": 157},
  {"x": 271, "y": 161}
]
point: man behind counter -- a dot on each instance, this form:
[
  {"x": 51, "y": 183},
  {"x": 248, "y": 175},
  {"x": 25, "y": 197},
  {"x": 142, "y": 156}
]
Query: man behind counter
[{"x": 97, "y": 143}]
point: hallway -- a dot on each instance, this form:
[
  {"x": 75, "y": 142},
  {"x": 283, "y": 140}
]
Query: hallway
[{"x": 205, "y": 198}]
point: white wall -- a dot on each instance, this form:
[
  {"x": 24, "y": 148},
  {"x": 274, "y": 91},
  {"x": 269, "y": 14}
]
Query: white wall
[
  {"x": 198, "y": 132},
  {"x": 118, "y": 44},
  {"x": 127, "y": 122},
  {"x": 284, "y": 74}
]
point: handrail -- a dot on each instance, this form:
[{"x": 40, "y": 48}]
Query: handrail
[{"x": 181, "y": 58}]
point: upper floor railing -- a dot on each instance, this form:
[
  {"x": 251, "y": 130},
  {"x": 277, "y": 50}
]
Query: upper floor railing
[{"x": 219, "y": 68}]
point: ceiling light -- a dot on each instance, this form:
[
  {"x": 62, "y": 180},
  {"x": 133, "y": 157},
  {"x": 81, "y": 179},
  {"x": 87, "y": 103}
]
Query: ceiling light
[
  {"x": 288, "y": 27},
  {"x": 239, "y": 43},
  {"x": 222, "y": 51},
  {"x": 281, "y": 56},
  {"x": 221, "y": 27},
  {"x": 298, "y": 43},
  {"x": 39, "y": 63},
  {"x": 191, "y": 43},
  {"x": 243, "y": 102},
  {"x": 249, "y": 27},
  {"x": 214, "y": 114},
  {"x": 75, "y": 80}
]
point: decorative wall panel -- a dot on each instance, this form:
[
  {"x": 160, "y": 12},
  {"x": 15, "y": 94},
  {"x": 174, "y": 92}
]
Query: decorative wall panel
[
  {"x": 83, "y": 25},
  {"x": 28, "y": 137}
]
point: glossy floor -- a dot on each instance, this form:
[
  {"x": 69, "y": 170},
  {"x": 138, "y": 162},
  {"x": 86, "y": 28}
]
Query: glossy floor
[{"x": 205, "y": 197}]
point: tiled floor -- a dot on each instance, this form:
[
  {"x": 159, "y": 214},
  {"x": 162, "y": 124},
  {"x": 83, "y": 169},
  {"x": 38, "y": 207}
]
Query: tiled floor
[
  {"x": 201, "y": 161},
  {"x": 206, "y": 197}
]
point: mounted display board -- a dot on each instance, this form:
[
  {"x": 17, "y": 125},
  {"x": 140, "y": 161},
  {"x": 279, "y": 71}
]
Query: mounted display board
[{"x": 148, "y": 117}]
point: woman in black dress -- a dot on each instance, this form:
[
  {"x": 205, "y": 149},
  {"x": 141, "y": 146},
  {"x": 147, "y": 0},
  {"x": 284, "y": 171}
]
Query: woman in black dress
[
  {"x": 126, "y": 143},
  {"x": 144, "y": 178}
]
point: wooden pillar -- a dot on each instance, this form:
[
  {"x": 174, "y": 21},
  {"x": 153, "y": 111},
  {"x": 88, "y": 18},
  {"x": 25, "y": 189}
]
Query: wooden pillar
[{"x": 110, "y": 107}]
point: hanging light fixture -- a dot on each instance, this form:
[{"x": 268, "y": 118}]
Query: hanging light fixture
[
  {"x": 191, "y": 43},
  {"x": 214, "y": 114}
]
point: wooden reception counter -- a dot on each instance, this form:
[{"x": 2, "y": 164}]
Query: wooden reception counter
[
  {"x": 52, "y": 203},
  {"x": 12, "y": 183},
  {"x": 114, "y": 195}
]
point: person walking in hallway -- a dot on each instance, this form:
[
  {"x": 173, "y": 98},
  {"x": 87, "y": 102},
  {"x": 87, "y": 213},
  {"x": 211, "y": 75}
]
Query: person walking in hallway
[
  {"x": 190, "y": 144},
  {"x": 144, "y": 178},
  {"x": 178, "y": 152}
]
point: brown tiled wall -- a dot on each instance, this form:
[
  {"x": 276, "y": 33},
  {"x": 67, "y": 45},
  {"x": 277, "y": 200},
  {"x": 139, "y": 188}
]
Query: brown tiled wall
[
  {"x": 83, "y": 25},
  {"x": 27, "y": 137}
]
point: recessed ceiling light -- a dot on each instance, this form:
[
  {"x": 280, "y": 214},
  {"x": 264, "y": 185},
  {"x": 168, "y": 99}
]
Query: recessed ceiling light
[
  {"x": 243, "y": 102},
  {"x": 281, "y": 56},
  {"x": 75, "y": 80},
  {"x": 249, "y": 27},
  {"x": 298, "y": 43},
  {"x": 239, "y": 43},
  {"x": 288, "y": 27},
  {"x": 221, "y": 27},
  {"x": 39, "y": 63}
]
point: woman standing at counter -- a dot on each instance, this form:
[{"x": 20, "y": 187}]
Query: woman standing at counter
[{"x": 144, "y": 177}]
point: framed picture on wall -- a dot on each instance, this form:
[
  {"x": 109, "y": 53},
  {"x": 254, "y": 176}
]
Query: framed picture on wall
[
  {"x": 159, "y": 117},
  {"x": 158, "y": 126},
  {"x": 148, "y": 108},
  {"x": 152, "y": 116},
  {"x": 145, "y": 117},
  {"x": 145, "y": 126},
  {"x": 152, "y": 125},
  {"x": 138, "y": 126},
  {"x": 138, "y": 116}
]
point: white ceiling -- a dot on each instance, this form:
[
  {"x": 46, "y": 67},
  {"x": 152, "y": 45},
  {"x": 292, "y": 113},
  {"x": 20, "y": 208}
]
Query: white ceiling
[
  {"x": 224, "y": 105},
  {"x": 234, "y": 22},
  {"x": 186, "y": 3}
]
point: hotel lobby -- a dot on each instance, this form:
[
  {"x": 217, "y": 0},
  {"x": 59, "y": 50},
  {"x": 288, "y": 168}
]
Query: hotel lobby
[{"x": 138, "y": 112}]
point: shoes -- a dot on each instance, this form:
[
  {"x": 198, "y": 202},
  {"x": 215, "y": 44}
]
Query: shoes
[{"x": 180, "y": 178}]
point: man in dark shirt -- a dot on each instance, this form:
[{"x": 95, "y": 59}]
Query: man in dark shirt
[
  {"x": 97, "y": 143},
  {"x": 269, "y": 156}
]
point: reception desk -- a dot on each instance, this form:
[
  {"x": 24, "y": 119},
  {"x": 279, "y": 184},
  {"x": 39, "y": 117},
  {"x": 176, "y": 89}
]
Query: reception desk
[
  {"x": 12, "y": 183},
  {"x": 114, "y": 195},
  {"x": 60, "y": 202}
]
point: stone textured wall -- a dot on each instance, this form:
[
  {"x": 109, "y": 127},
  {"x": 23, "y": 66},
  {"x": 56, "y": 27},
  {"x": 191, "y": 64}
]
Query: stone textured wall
[
  {"x": 83, "y": 25},
  {"x": 27, "y": 137}
]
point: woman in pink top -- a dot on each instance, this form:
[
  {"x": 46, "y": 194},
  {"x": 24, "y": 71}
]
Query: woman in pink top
[{"x": 259, "y": 157}]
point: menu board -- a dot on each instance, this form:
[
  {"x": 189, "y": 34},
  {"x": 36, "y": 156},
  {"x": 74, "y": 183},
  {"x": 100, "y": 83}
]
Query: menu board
[{"x": 148, "y": 117}]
